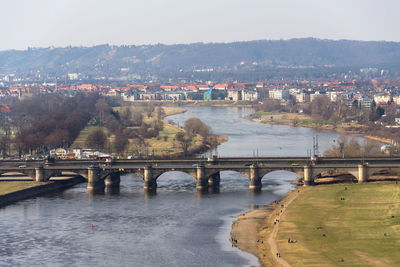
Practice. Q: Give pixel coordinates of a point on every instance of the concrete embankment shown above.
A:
(39, 190)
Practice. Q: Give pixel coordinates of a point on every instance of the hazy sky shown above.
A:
(43, 23)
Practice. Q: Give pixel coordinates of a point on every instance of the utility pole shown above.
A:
(313, 145)
(341, 146)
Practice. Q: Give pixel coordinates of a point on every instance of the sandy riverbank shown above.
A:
(255, 231)
(297, 120)
(379, 139)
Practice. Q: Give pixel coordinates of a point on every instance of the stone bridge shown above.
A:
(206, 172)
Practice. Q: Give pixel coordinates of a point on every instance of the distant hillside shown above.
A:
(253, 55)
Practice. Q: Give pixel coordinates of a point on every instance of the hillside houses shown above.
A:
(362, 93)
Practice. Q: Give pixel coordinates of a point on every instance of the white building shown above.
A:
(248, 95)
(396, 100)
(302, 97)
(73, 76)
(129, 97)
(234, 95)
(279, 93)
(382, 98)
(174, 96)
(334, 96)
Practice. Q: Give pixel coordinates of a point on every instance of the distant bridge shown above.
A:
(206, 172)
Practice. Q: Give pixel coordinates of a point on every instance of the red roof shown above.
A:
(222, 85)
(5, 109)
(191, 87)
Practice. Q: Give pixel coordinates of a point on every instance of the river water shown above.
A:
(175, 227)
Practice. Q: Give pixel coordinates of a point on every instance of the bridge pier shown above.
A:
(308, 177)
(40, 174)
(362, 173)
(255, 180)
(214, 180)
(94, 179)
(150, 184)
(214, 183)
(113, 180)
(201, 179)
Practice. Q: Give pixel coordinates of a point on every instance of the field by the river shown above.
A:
(163, 143)
(333, 226)
(303, 120)
(9, 187)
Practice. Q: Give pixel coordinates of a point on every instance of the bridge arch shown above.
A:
(81, 172)
(335, 176)
(278, 174)
(231, 178)
(176, 179)
(383, 173)
(21, 173)
(174, 173)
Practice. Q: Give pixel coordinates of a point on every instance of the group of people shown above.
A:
(234, 242)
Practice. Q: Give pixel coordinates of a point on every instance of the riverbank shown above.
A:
(200, 103)
(11, 192)
(379, 139)
(11, 187)
(303, 230)
(302, 120)
(255, 231)
(162, 146)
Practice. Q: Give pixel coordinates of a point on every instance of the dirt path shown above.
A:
(256, 231)
(271, 240)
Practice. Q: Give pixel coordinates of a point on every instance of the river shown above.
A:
(175, 227)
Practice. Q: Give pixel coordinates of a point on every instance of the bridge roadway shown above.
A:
(206, 172)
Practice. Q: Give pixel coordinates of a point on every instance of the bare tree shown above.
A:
(350, 147)
(195, 126)
(97, 139)
(5, 143)
(120, 143)
(184, 140)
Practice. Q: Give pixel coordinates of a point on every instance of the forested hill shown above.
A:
(252, 55)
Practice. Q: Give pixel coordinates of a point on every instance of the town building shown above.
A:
(279, 93)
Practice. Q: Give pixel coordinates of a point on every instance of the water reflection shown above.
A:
(149, 194)
(112, 190)
(214, 190)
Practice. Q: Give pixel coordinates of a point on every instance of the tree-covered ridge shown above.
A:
(50, 121)
(252, 55)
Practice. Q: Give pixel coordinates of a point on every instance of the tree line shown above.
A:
(195, 127)
(124, 127)
(47, 121)
(324, 111)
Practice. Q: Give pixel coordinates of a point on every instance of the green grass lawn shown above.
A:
(81, 139)
(9, 187)
(362, 230)
(165, 139)
(164, 144)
